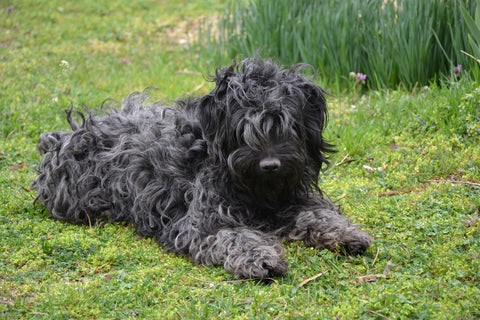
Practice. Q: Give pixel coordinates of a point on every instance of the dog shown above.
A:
(222, 178)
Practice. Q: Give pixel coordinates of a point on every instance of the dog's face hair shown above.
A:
(267, 124)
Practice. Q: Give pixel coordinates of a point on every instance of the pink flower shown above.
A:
(457, 69)
(361, 77)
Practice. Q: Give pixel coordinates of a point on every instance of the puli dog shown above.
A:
(222, 178)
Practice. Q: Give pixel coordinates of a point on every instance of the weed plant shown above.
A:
(394, 42)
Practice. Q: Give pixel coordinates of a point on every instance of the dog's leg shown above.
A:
(244, 252)
(323, 226)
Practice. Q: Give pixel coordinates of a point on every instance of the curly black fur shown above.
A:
(220, 178)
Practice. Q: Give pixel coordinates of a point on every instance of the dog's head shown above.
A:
(266, 125)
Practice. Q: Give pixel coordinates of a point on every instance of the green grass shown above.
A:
(420, 202)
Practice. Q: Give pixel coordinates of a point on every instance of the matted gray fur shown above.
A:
(223, 178)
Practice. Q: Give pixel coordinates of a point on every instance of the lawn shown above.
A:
(407, 169)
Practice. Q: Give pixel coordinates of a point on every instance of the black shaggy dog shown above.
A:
(222, 178)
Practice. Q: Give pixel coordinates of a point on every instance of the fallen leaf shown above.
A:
(387, 268)
(18, 166)
(395, 146)
(375, 277)
(124, 61)
(368, 278)
(388, 193)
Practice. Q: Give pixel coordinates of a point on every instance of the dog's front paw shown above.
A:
(258, 263)
(356, 241)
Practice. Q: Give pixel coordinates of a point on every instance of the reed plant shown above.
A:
(394, 42)
(473, 24)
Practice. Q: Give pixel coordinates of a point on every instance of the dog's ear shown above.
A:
(211, 116)
(213, 108)
(315, 120)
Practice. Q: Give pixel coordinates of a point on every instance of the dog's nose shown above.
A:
(270, 164)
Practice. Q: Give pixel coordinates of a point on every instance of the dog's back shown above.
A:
(108, 165)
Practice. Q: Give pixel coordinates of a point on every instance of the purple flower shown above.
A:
(457, 69)
(9, 8)
(361, 77)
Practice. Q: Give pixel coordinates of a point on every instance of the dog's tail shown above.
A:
(66, 181)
